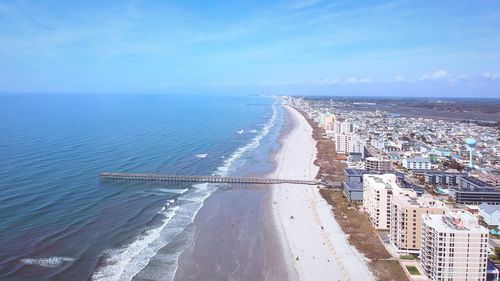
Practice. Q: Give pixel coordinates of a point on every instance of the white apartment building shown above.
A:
(357, 144)
(377, 195)
(344, 136)
(454, 247)
(328, 126)
(406, 223)
(418, 163)
(343, 127)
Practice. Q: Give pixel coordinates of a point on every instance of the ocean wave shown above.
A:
(119, 260)
(50, 262)
(125, 263)
(128, 262)
(170, 190)
(253, 144)
(201, 155)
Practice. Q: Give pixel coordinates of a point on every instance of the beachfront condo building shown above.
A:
(406, 224)
(343, 134)
(454, 247)
(377, 194)
(378, 164)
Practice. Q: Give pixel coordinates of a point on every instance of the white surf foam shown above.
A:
(201, 155)
(253, 144)
(120, 259)
(51, 262)
(124, 264)
(171, 190)
(241, 132)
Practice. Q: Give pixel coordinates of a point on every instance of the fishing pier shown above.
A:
(106, 176)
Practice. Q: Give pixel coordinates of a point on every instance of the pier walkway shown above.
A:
(209, 179)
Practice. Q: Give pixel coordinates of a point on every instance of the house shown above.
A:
(490, 214)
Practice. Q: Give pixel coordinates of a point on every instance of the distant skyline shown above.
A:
(310, 47)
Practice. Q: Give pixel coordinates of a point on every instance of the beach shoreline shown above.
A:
(313, 245)
(234, 234)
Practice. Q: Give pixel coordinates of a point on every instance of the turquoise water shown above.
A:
(58, 220)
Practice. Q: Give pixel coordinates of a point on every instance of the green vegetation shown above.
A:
(413, 270)
(407, 257)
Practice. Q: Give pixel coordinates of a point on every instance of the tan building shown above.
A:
(377, 164)
(377, 195)
(454, 247)
(406, 224)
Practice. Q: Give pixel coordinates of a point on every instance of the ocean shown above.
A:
(57, 220)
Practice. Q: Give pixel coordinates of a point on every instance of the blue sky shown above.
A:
(402, 48)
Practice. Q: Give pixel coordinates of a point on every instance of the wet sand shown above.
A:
(234, 239)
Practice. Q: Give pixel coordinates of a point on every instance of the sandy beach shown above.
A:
(314, 246)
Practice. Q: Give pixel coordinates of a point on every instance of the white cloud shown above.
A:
(328, 81)
(459, 78)
(437, 75)
(354, 80)
(399, 78)
(490, 76)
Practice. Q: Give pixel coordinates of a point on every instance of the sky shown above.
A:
(307, 47)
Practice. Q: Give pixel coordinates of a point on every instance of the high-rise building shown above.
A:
(454, 247)
(377, 195)
(328, 125)
(343, 133)
(406, 222)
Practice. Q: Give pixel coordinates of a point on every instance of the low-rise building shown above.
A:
(454, 247)
(475, 196)
(377, 164)
(417, 163)
(442, 178)
(472, 182)
(490, 214)
(353, 191)
(492, 179)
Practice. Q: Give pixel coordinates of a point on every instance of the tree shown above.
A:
(497, 251)
(454, 165)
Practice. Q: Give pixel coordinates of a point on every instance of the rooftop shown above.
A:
(418, 159)
(425, 201)
(444, 173)
(475, 181)
(476, 189)
(385, 181)
(456, 222)
(488, 208)
(360, 172)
